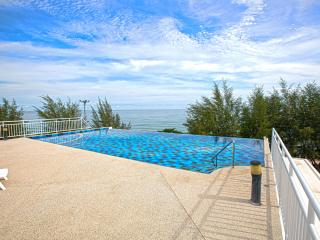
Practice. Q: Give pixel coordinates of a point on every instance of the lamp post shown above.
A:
(84, 101)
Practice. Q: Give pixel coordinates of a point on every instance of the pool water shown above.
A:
(182, 151)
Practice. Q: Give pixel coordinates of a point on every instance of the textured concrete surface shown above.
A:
(57, 192)
(311, 175)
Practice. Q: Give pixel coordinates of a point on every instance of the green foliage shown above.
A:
(10, 112)
(309, 121)
(293, 111)
(274, 109)
(57, 109)
(170, 130)
(217, 115)
(254, 118)
(288, 125)
(104, 117)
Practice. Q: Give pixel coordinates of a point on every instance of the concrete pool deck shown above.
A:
(57, 192)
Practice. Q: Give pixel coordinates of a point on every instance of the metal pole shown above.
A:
(256, 174)
(84, 101)
(233, 150)
(2, 130)
(24, 129)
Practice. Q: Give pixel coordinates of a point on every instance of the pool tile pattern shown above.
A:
(182, 151)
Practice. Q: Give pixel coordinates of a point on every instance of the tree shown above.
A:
(103, 116)
(309, 122)
(296, 112)
(57, 109)
(287, 123)
(218, 115)
(274, 109)
(246, 122)
(254, 120)
(10, 112)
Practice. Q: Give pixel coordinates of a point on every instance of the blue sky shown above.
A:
(154, 54)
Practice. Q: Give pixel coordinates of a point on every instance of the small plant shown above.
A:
(218, 114)
(57, 109)
(103, 116)
(10, 111)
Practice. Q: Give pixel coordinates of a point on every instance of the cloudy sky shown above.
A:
(154, 53)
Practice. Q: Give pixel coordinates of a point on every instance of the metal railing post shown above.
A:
(24, 130)
(311, 214)
(1, 130)
(233, 151)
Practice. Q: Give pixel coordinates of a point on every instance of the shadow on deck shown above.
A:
(228, 212)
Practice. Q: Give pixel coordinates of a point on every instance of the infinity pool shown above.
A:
(182, 151)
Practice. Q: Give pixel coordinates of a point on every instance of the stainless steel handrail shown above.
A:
(215, 157)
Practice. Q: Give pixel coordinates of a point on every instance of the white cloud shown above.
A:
(153, 60)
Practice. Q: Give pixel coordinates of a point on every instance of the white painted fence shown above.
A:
(300, 210)
(24, 128)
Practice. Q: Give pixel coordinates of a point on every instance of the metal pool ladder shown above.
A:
(215, 157)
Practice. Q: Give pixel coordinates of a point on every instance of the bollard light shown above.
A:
(256, 174)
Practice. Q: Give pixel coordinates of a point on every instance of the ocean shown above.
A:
(146, 120)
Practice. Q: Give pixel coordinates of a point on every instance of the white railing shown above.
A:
(299, 208)
(24, 128)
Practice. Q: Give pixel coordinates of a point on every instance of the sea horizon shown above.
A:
(141, 119)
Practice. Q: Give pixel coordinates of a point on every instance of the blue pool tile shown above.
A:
(184, 151)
